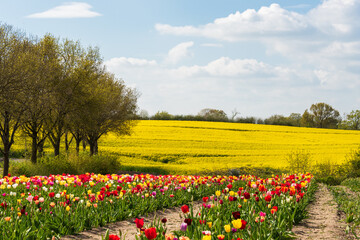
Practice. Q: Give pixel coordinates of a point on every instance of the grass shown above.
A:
(349, 203)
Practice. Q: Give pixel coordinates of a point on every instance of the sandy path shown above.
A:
(128, 227)
(324, 220)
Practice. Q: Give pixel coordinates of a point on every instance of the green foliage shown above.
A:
(263, 172)
(213, 115)
(352, 183)
(299, 160)
(71, 164)
(349, 203)
(352, 121)
(21, 153)
(354, 163)
(330, 174)
(321, 115)
(162, 116)
(277, 120)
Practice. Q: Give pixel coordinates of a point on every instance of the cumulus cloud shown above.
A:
(332, 17)
(68, 10)
(129, 62)
(316, 58)
(212, 45)
(226, 67)
(267, 21)
(222, 83)
(336, 17)
(179, 52)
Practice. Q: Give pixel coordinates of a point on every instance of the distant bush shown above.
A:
(71, 164)
(246, 120)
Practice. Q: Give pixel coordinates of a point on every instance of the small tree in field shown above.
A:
(299, 160)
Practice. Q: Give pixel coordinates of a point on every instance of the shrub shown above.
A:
(299, 160)
(71, 164)
(354, 163)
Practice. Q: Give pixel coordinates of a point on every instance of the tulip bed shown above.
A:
(261, 209)
(42, 207)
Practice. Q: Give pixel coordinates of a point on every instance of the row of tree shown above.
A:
(319, 115)
(50, 88)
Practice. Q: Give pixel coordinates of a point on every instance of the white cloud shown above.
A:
(212, 45)
(332, 17)
(68, 10)
(316, 59)
(268, 21)
(336, 17)
(129, 62)
(226, 67)
(179, 52)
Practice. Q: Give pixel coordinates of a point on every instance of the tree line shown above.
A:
(51, 88)
(319, 115)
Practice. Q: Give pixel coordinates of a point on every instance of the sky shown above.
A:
(257, 57)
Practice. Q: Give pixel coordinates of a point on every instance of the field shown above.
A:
(192, 147)
(47, 207)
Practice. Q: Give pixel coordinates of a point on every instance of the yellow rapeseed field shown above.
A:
(190, 147)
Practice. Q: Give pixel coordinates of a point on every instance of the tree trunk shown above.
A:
(66, 142)
(56, 146)
(41, 148)
(84, 144)
(92, 148)
(6, 161)
(55, 142)
(92, 140)
(77, 141)
(7, 137)
(96, 148)
(34, 148)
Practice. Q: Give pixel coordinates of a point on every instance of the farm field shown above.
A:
(192, 147)
(47, 207)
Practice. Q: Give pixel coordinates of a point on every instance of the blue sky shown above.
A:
(258, 57)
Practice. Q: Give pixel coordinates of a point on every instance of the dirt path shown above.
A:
(128, 227)
(324, 220)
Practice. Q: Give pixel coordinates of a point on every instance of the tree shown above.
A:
(45, 67)
(14, 71)
(352, 120)
(295, 119)
(144, 115)
(307, 119)
(321, 115)
(234, 113)
(112, 108)
(210, 114)
(65, 89)
(277, 120)
(87, 74)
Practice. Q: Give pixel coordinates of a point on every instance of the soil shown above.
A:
(325, 220)
(128, 227)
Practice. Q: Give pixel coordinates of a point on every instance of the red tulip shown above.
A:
(268, 198)
(114, 237)
(185, 209)
(150, 233)
(139, 222)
